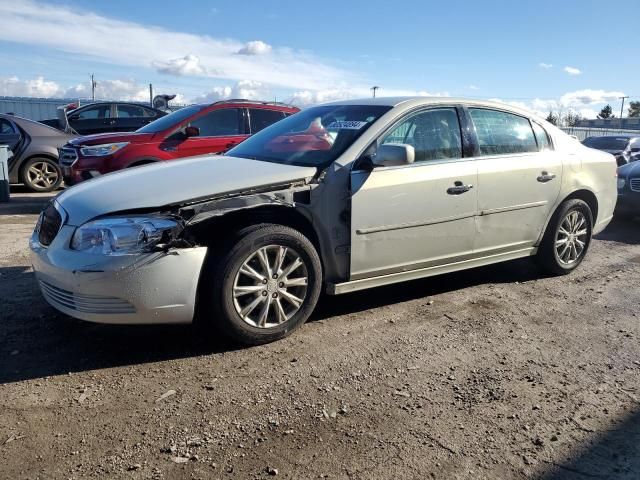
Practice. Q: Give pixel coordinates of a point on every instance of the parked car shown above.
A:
(104, 117)
(345, 196)
(629, 190)
(194, 130)
(626, 148)
(35, 152)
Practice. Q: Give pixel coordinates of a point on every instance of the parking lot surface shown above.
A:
(496, 372)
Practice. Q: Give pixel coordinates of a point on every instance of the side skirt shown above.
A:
(362, 284)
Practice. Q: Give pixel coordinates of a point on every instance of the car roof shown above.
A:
(244, 101)
(421, 100)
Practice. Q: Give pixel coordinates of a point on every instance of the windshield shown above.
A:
(170, 120)
(607, 143)
(311, 138)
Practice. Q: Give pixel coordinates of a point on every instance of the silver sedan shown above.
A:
(341, 197)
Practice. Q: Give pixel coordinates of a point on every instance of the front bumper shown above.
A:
(628, 203)
(134, 289)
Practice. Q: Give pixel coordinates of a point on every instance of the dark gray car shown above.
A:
(626, 148)
(35, 152)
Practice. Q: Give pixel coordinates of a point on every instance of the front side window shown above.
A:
(218, 123)
(314, 137)
(501, 133)
(5, 127)
(127, 111)
(434, 134)
(261, 118)
(542, 137)
(92, 113)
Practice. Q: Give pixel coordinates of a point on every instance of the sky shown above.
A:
(541, 55)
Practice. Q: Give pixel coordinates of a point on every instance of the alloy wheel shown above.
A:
(270, 286)
(571, 237)
(42, 174)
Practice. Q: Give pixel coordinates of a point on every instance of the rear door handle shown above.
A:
(545, 177)
(458, 188)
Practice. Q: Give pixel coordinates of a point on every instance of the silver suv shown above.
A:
(342, 197)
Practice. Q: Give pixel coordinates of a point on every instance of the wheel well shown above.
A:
(589, 198)
(208, 232)
(23, 162)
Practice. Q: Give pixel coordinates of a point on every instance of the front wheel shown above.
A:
(265, 285)
(567, 238)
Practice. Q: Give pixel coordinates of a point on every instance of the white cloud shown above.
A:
(257, 47)
(247, 89)
(589, 97)
(81, 33)
(473, 87)
(37, 87)
(312, 97)
(189, 65)
(546, 66)
(572, 70)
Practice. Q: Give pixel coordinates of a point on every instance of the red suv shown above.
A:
(193, 130)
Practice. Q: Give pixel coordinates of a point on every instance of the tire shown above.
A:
(41, 174)
(560, 258)
(241, 316)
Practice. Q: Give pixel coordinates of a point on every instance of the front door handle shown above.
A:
(546, 177)
(458, 188)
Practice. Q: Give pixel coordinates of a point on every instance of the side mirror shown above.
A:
(191, 132)
(394, 154)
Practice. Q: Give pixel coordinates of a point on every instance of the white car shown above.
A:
(343, 196)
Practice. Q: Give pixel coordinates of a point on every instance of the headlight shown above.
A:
(102, 150)
(621, 182)
(123, 235)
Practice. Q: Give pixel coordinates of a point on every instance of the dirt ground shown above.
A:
(494, 373)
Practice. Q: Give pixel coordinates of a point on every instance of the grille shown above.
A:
(85, 303)
(67, 156)
(634, 183)
(50, 224)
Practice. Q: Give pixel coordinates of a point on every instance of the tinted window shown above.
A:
(542, 137)
(502, 133)
(607, 143)
(262, 118)
(5, 127)
(218, 122)
(100, 111)
(171, 120)
(435, 134)
(313, 137)
(125, 111)
(149, 113)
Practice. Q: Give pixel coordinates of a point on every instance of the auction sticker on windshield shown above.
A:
(346, 125)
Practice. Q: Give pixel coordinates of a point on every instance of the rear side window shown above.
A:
(261, 118)
(127, 111)
(502, 133)
(434, 134)
(542, 137)
(218, 123)
(6, 128)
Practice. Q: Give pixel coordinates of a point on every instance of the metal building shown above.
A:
(35, 108)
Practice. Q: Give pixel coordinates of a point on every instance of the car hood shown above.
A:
(101, 138)
(175, 182)
(630, 169)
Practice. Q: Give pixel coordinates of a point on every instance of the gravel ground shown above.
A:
(494, 373)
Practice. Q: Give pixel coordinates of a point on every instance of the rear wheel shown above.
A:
(41, 175)
(567, 238)
(265, 285)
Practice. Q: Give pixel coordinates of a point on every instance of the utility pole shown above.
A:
(373, 89)
(151, 95)
(622, 107)
(93, 88)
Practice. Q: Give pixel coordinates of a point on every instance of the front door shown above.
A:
(92, 119)
(519, 178)
(417, 215)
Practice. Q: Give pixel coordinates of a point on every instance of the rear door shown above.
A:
(261, 118)
(220, 130)
(417, 215)
(130, 117)
(92, 119)
(519, 177)
(9, 134)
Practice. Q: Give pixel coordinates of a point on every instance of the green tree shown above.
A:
(552, 119)
(606, 112)
(634, 109)
(572, 119)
